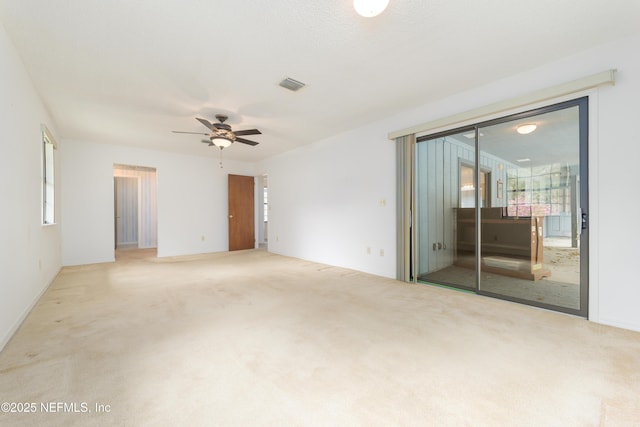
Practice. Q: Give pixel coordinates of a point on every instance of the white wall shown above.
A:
(191, 200)
(29, 252)
(325, 197)
(325, 201)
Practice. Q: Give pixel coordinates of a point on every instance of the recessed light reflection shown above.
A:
(526, 129)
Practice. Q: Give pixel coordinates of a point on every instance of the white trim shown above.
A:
(48, 136)
(594, 241)
(45, 198)
(605, 78)
(5, 340)
(619, 324)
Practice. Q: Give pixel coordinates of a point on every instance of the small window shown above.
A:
(48, 177)
(468, 190)
(266, 205)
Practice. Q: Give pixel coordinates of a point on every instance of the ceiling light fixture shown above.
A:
(526, 129)
(370, 8)
(472, 135)
(221, 142)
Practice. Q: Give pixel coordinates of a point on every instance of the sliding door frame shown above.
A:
(583, 123)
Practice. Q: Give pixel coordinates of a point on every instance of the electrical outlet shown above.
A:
(202, 237)
(381, 252)
(368, 250)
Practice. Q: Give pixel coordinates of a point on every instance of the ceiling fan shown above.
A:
(221, 134)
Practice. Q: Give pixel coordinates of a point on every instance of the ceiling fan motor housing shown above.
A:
(222, 130)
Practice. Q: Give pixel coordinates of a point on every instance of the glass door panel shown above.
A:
(529, 241)
(445, 212)
(530, 244)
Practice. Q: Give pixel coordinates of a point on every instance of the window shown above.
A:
(539, 191)
(48, 177)
(467, 189)
(266, 205)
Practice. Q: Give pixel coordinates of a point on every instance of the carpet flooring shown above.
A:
(545, 290)
(561, 288)
(251, 338)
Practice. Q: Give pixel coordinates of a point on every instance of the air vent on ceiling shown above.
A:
(291, 84)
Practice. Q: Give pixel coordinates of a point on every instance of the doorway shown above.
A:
(467, 186)
(241, 212)
(126, 212)
(528, 241)
(135, 207)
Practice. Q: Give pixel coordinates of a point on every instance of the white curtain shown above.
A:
(147, 203)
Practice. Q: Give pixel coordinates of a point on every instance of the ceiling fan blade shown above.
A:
(206, 123)
(193, 133)
(246, 141)
(206, 141)
(247, 132)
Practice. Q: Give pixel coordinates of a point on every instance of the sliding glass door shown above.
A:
(528, 240)
(445, 184)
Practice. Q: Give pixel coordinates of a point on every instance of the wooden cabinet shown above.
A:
(510, 246)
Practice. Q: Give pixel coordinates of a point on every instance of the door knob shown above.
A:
(230, 216)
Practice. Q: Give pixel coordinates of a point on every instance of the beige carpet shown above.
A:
(561, 288)
(255, 339)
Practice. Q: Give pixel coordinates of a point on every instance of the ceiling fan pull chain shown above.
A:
(221, 167)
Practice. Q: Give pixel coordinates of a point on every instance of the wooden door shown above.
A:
(241, 212)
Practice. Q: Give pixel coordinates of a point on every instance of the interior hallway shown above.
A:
(251, 338)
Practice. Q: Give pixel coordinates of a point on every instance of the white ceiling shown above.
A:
(556, 141)
(130, 72)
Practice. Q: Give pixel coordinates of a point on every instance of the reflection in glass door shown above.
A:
(529, 178)
(531, 238)
(445, 182)
(467, 187)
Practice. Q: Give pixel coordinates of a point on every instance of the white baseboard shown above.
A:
(5, 339)
(619, 324)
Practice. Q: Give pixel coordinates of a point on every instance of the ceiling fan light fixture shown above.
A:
(370, 8)
(221, 135)
(221, 142)
(526, 129)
